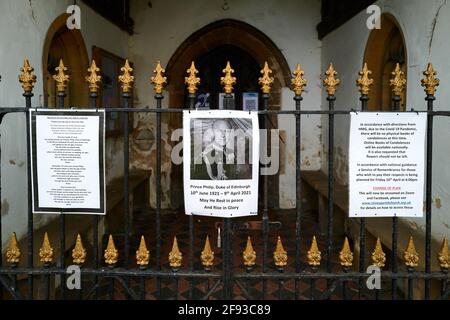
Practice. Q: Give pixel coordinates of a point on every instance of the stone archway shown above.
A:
(62, 43)
(384, 49)
(221, 33)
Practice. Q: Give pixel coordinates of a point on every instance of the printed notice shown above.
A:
(386, 164)
(221, 163)
(68, 161)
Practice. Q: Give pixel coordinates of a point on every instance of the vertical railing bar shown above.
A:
(396, 106)
(265, 226)
(444, 283)
(126, 174)
(191, 222)
(227, 240)
(344, 290)
(362, 231)
(28, 95)
(62, 227)
(247, 285)
(14, 282)
(228, 280)
(394, 256)
(331, 99)
(344, 284)
(95, 219)
(111, 289)
(410, 286)
(430, 99)
(80, 291)
(158, 98)
(298, 99)
(230, 257)
(176, 288)
(280, 287)
(229, 229)
(62, 219)
(46, 283)
(224, 257)
(191, 254)
(312, 287)
(142, 288)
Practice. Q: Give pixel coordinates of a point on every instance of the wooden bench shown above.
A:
(138, 196)
(317, 182)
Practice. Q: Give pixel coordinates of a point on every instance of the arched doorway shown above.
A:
(385, 48)
(210, 66)
(247, 48)
(62, 43)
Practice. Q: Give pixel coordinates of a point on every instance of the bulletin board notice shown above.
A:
(386, 164)
(221, 163)
(67, 161)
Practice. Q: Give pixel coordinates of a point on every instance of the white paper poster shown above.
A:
(222, 98)
(67, 150)
(250, 101)
(386, 164)
(221, 163)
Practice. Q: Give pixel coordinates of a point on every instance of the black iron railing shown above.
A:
(227, 279)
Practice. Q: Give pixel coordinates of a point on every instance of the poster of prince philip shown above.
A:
(221, 149)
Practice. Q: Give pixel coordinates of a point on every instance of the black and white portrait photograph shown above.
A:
(221, 149)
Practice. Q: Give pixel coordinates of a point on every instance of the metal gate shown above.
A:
(249, 268)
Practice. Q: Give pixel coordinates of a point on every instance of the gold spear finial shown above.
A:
(314, 255)
(411, 256)
(430, 82)
(364, 82)
(13, 251)
(61, 78)
(346, 255)
(175, 255)
(297, 81)
(79, 253)
(158, 80)
(378, 256)
(46, 251)
(249, 254)
(192, 81)
(444, 255)
(142, 254)
(126, 79)
(93, 79)
(207, 255)
(331, 82)
(27, 78)
(111, 253)
(228, 80)
(398, 82)
(266, 80)
(280, 255)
